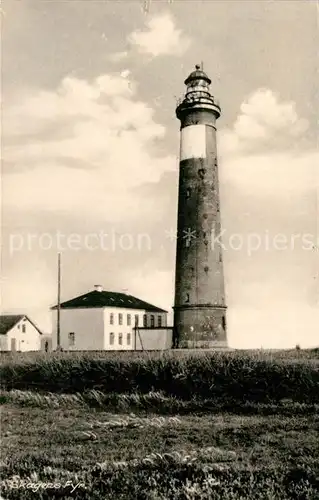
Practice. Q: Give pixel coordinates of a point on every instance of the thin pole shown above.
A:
(139, 335)
(59, 302)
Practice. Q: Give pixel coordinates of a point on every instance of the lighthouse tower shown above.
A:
(200, 308)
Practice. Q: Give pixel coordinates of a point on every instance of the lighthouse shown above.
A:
(200, 305)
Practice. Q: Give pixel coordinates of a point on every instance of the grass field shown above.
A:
(272, 354)
(146, 442)
(228, 377)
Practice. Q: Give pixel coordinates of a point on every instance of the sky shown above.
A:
(90, 154)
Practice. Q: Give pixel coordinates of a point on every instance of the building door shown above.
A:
(13, 345)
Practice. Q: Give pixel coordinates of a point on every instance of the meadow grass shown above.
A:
(220, 376)
(286, 355)
(154, 426)
(155, 402)
(146, 457)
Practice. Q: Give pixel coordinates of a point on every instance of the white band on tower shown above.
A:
(193, 142)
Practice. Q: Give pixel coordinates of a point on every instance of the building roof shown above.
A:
(197, 74)
(97, 299)
(8, 321)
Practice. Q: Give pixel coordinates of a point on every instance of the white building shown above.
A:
(111, 321)
(19, 333)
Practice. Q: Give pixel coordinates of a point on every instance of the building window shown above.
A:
(144, 320)
(120, 338)
(120, 319)
(128, 318)
(136, 319)
(111, 319)
(159, 320)
(152, 320)
(71, 339)
(128, 339)
(188, 192)
(111, 338)
(224, 323)
(23, 328)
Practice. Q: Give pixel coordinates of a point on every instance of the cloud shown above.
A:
(25, 291)
(82, 149)
(264, 122)
(125, 73)
(161, 37)
(119, 56)
(270, 187)
(265, 155)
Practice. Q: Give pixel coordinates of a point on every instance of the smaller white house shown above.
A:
(19, 333)
(111, 321)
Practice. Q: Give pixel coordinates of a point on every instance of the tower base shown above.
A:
(200, 327)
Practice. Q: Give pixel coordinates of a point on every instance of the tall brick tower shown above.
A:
(200, 308)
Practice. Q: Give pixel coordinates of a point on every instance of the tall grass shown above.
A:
(237, 377)
(153, 402)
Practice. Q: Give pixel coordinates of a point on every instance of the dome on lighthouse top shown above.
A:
(198, 95)
(198, 74)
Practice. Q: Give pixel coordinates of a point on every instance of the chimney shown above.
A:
(98, 288)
